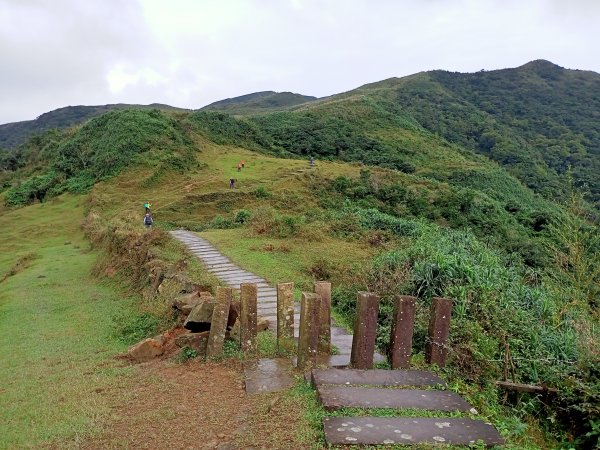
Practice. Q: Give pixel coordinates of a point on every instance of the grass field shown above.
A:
(57, 336)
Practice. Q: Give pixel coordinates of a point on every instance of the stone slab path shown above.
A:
(267, 375)
(337, 389)
(408, 431)
(232, 276)
(336, 397)
(376, 377)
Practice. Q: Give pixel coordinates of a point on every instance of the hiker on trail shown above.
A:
(239, 167)
(148, 220)
(312, 162)
(231, 183)
(147, 205)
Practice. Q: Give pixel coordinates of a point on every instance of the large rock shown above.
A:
(196, 341)
(185, 284)
(186, 302)
(262, 324)
(234, 313)
(200, 317)
(234, 333)
(146, 350)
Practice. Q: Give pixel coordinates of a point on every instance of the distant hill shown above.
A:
(13, 134)
(538, 120)
(259, 102)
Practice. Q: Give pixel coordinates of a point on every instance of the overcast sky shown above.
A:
(189, 53)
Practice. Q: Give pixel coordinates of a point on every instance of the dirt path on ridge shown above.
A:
(197, 405)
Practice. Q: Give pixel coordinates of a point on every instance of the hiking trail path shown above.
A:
(340, 387)
(232, 275)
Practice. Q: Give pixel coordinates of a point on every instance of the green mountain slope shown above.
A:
(259, 102)
(537, 120)
(15, 133)
(422, 216)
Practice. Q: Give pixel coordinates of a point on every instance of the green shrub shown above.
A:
(261, 192)
(133, 328)
(242, 216)
(186, 354)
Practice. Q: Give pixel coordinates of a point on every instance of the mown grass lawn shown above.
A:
(57, 337)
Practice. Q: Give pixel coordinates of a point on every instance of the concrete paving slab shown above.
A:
(408, 431)
(336, 397)
(376, 377)
(267, 375)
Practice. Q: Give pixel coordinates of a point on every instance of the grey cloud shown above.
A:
(202, 51)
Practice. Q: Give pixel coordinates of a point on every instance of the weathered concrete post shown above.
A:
(365, 330)
(248, 301)
(403, 323)
(285, 316)
(323, 288)
(436, 348)
(218, 324)
(308, 341)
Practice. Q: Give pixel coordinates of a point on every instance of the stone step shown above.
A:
(376, 377)
(221, 271)
(267, 375)
(340, 361)
(213, 261)
(408, 431)
(205, 257)
(221, 267)
(240, 274)
(336, 397)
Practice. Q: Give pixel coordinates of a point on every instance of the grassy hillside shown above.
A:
(259, 102)
(56, 327)
(392, 205)
(538, 120)
(287, 221)
(15, 133)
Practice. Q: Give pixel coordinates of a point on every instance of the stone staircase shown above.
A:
(396, 389)
(233, 276)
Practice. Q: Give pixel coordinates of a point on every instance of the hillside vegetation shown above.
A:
(259, 102)
(16, 133)
(393, 206)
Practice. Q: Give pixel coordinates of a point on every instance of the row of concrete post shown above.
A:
(315, 325)
(403, 320)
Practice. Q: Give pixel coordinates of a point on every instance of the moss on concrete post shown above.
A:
(218, 324)
(436, 348)
(365, 330)
(323, 289)
(285, 316)
(403, 322)
(248, 302)
(308, 341)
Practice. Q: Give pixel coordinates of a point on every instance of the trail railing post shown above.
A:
(403, 323)
(323, 289)
(436, 348)
(285, 316)
(218, 324)
(308, 340)
(365, 331)
(248, 302)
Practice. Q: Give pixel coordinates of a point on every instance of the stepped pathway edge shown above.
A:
(267, 295)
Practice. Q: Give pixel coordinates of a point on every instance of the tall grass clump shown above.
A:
(501, 316)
